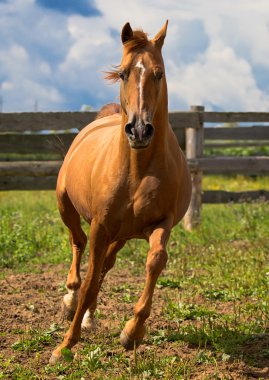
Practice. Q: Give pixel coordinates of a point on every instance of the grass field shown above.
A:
(210, 319)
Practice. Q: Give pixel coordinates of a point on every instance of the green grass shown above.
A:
(30, 230)
(30, 157)
(215, 289)
(235, 183)
(238, 151)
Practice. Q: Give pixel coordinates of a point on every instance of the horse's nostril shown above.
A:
(149, 130)
(129, 129)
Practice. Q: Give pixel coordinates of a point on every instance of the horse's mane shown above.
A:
(136, 43)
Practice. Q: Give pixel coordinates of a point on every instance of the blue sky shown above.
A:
(53, 52)
(83, 7)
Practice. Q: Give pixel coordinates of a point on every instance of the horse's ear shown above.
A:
(126, 33)
(159, 38)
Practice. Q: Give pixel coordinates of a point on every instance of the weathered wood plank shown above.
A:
(237, 133)
(181, 137)
(210, 165)
(36, 121)
(194, 150)
(30, 169)
(231, 165)
(49, 183)
(220, 196)
(184, 119)
(50, 143)
(27, 183)
(239, 144)
(36, 143)
(235, 117)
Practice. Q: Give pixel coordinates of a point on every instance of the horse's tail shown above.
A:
(57, 146)
(108, 109)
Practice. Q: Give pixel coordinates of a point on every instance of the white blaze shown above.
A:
(142, 71)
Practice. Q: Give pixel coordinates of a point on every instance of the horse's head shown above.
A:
(143, 84)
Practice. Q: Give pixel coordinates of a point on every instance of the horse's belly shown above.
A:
(129, 226)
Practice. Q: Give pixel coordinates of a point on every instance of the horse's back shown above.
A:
(109, 109)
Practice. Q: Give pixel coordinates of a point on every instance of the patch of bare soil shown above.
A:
(33, 302)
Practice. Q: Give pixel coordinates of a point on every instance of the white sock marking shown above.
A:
(142, 71)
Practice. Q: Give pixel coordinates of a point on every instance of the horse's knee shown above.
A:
(83, 240)
(156, 261)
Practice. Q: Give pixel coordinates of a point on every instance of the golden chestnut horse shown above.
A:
(127, 177)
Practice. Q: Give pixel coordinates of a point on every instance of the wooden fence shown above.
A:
(48, 136)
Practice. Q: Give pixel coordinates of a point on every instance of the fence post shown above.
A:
(194, 149)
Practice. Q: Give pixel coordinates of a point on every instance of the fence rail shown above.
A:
(50, 134)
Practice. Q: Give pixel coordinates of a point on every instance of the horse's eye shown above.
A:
(158, 75)
(122, 75)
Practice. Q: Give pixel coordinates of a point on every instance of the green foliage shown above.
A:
(238, 151)
(67, 354)
(180, 312)
(35, 340)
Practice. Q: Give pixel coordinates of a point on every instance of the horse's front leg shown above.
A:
(88, 292)
(135, 329)
(89, 322)
(78, 241)
(70, 300)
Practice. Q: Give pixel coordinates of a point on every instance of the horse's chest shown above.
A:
(129, 211)
(148, 203)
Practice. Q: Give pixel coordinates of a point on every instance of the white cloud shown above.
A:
(90, 39)
(23, 86)
(7, 86)
(217, 78)
(213, 52)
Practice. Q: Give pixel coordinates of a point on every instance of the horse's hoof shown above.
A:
(67, 313)
(129, 343)
(69, 304)
(89, 323)
(55, 358)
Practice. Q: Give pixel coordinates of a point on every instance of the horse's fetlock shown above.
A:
(73, 285)
(71, 341)
(141, 313)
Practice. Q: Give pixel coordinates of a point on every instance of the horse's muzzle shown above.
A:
(139, 134)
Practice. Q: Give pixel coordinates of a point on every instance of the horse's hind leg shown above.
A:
(89, 321)
(78, 241)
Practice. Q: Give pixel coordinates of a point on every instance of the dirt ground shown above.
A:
(32, 301)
